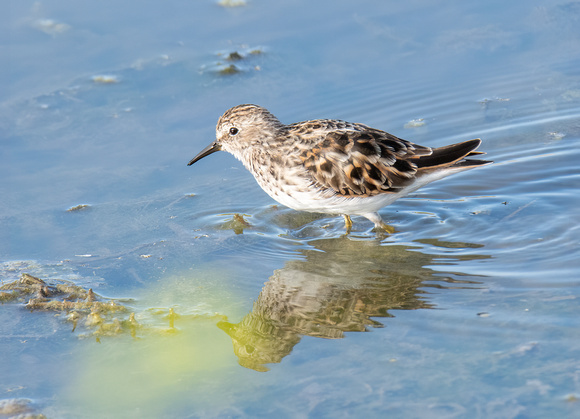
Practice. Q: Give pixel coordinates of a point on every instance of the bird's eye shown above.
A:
(234, 131)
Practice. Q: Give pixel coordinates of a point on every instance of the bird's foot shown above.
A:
(384, 228)
(380, 225)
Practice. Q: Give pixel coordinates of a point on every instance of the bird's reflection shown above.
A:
(339, 286)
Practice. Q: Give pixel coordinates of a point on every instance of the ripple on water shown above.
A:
(478, 285)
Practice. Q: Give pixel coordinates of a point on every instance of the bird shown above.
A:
(332, 166)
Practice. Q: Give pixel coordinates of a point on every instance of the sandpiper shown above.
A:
(333, 166)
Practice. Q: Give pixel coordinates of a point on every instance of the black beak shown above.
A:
(212, 148)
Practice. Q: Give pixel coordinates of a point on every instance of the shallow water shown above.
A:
(469, 310)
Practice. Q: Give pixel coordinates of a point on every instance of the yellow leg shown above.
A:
(379, 223)
(347, 222)
(385, 227)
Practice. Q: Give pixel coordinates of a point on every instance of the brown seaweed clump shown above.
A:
(79, 305)
(241, 60)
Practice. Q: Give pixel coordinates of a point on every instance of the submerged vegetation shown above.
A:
(79, 306)
(88, 312)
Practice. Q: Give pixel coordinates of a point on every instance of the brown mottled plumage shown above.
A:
(333, 166)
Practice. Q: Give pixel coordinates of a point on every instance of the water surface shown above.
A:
(469, 310)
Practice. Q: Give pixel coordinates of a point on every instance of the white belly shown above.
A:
(312, 200)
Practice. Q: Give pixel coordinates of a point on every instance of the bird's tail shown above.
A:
(453, 156)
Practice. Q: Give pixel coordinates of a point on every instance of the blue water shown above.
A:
(469, 310)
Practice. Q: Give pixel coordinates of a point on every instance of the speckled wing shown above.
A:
(363, 163)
